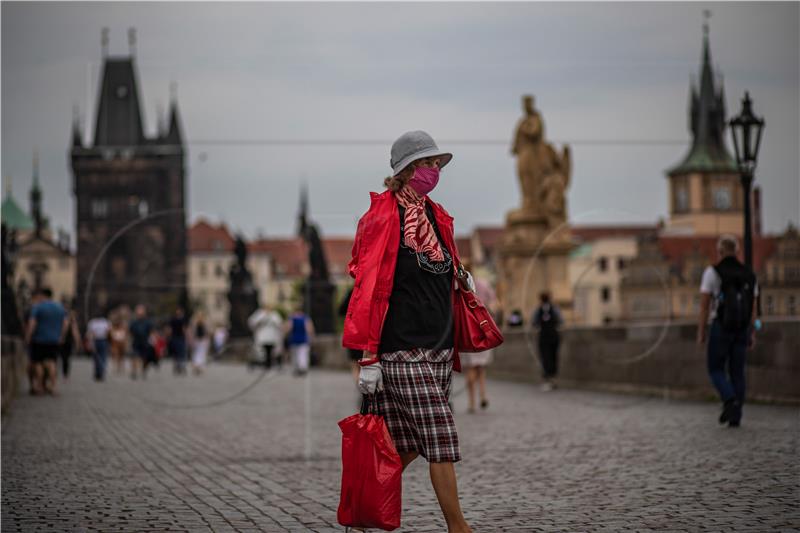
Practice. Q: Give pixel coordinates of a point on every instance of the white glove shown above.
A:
(370, 378)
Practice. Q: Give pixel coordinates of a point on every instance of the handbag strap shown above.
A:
(369, 404)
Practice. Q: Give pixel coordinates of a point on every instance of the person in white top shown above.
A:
(97, 333)
(266, 325)
(475, 364)
(728, 293)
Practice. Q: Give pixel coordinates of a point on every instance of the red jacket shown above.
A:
(374, 259)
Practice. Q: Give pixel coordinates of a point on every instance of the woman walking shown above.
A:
(401, 314)
(475, 363)
(72, 339)
(119, 342)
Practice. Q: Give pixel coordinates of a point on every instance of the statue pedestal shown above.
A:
(534, 258)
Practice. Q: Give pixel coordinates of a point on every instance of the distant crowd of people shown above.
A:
(52, 332)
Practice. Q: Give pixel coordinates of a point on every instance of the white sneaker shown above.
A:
(547, 386)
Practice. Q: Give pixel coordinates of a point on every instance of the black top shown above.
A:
(420, 311)
(178, 326)
(140, 331)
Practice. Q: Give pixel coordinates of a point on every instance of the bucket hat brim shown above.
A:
(433, 152)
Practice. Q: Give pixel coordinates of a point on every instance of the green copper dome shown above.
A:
(13, 215)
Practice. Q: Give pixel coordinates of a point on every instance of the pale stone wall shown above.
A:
(633, 359)
(596, 290)
(58, 269)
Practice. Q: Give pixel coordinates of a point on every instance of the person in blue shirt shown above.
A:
(300, 333)
(47, 326)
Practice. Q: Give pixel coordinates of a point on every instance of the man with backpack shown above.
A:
(547, 319)
(728, 293)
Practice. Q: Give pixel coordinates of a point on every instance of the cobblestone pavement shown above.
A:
(116, 456)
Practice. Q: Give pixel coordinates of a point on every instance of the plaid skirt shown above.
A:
(414, 403)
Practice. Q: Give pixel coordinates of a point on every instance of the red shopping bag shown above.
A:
(371, 473)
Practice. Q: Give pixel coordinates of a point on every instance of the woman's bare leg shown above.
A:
(443, 478)
(482, 382)
(471, 389)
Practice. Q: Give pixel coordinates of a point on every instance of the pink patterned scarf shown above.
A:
(418, 232)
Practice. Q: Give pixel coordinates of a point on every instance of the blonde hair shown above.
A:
(395, 183)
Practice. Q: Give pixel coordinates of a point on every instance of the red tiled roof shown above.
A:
(464, 248)
(489, 236)
(589, 233)
(675, 249)
(288, 255)
(205, 237)
(338, 252)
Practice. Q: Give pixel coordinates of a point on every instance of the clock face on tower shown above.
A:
(722, 198)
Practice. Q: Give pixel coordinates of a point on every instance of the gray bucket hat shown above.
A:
(415, 145)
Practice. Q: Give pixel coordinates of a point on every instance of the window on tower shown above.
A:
(99, 208)
(722, 198)
(681, 199)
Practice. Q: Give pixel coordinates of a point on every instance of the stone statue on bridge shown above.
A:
(543, 173)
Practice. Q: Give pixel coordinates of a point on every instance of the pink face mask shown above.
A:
(425, 179)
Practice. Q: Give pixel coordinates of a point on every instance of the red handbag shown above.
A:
(475, 329)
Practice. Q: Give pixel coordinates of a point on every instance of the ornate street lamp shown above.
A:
(746, 131)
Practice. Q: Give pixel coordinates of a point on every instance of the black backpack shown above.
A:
(735, 299)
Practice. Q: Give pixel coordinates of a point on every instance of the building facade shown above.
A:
(130, 201)
(706, 200)
(43, 259)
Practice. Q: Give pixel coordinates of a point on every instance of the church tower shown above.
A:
(130, 199)
(705, 193)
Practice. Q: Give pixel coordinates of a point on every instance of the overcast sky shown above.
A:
(341, 71)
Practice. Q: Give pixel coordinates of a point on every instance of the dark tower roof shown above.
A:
(174, 135)
(39, 220)
(119, 118)
(707, 123)
(77, 140)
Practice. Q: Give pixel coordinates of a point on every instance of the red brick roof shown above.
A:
(288, 255)
(489, 236)
(338, 252)
(590, 233)
(464, 248)
(206, 237)
(675, 249)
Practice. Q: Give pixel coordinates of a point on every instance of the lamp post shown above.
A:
(746, 131)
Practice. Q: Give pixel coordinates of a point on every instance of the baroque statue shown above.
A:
(544, 174)
(243, 294)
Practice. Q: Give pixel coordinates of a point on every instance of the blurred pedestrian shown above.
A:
(401, 314)
(220, 337)
(728, 293)
(354, 355)
(46, 329)
(475, 363)
(177, 341)
(119, 342)
(547, 319)
(141, 327)
(200, 343)
(72, 340)
(515, 318)
(301, 333)
(97, 331)
(267, 327)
